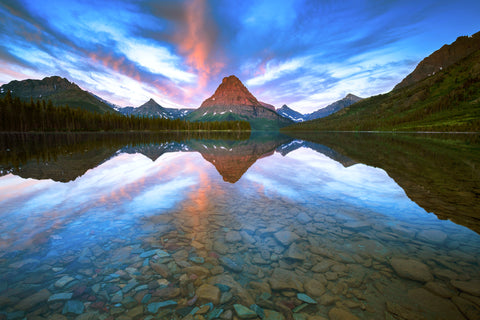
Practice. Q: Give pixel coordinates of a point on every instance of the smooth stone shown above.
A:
(135, 312)
(283, 279)
(467, 308)
(259, 311)
(214, 314)
(231, 264)
(236, 288)
(222, 287)
(439, 289)
(73, 306)
(303, 217)
(88, 316)
(244, 312)
(208, 293)
(294, 252)
(340, 314)
(130, 285)
(233, 236)
(437, 307)
(472, 287)
(433, 236)
(300, 307)
(146, 298)
(155, 306)
(314, 288)
(117, 297)
(129, 302)
(285, 237)
(411, 269)
(198, 260)
(60, 296)
(303, 297)
(60, 283)
(323, 266)
(31, 301)
(273, 315)
(402, 312)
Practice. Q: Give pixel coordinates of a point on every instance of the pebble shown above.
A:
(155, 306)
(60, 296)
(303, 297)
(244, 312)
(60, 283)
(73, 307)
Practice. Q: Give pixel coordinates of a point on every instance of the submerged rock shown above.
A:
(411, 269)
(472, 287)
(208, 293)
(73, 307)
(283, 279)
(244, 312)
(33, 300)
(285, 237)
(340, 314)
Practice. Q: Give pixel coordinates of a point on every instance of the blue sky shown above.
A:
(305, 54)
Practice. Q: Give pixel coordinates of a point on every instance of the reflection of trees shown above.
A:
(439, 172)
(64, 157)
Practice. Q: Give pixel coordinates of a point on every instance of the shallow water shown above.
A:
(191, 229)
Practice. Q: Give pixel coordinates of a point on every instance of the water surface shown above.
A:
(372, 226)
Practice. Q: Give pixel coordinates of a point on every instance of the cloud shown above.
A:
(196, 40)
(304, 53)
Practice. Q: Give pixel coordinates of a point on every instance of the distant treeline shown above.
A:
(21, 116)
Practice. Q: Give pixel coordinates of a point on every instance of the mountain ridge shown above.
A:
(448, 100)
(57, 89)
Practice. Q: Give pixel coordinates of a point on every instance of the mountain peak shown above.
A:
(231, 92)
(352, 97)
(444, 57)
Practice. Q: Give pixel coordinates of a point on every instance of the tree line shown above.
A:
(41, 115)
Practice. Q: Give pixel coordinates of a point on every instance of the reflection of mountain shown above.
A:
(332, 154)
(64, 157)
(233, 158)
(439, 173)
(155, 150)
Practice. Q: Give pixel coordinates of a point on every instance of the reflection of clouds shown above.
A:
(120, 189)
(306, 174)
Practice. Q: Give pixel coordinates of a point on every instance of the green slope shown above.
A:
(257, 124)
(59, 90)
(446, 101)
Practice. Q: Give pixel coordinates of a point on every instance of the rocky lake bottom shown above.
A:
(298, 236)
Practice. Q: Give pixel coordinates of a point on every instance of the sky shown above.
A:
(306, 54)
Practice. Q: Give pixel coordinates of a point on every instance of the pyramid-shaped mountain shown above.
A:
(233, 101)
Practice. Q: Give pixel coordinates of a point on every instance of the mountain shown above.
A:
(267, 105)
(296, 116)
(442, 58)
(233, 101)
(448, 100)
(152, 109)
(334, 107)
(59, 90)
(286, 112)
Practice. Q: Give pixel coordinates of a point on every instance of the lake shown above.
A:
(267, 226)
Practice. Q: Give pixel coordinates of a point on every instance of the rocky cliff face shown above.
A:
(233, 101)
(442, 58)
